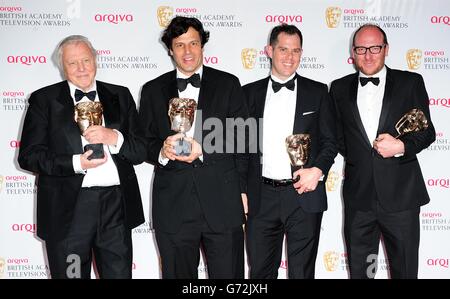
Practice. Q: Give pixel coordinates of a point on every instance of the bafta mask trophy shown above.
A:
(181, 113)
(413, 121)
(297, 147)
(89, 114)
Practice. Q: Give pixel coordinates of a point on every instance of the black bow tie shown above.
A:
(79, 95)
(365, 80)
(194, 80)
(277, 86)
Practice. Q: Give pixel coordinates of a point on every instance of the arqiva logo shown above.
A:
(27, 227)
(442, 262)
(284, 19)
(26, 59)
(440, 19)
(114, 18)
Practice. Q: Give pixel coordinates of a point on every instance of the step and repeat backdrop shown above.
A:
(127, 39)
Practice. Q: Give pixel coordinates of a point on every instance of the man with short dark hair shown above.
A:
(279, 203)
(196, 198)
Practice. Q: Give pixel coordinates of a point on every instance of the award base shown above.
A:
(183, 148)
(97, 150)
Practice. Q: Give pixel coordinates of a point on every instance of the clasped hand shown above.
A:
(168, 149)
(309, 178)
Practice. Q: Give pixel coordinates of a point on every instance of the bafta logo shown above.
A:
(1, 183)
(2, 266)
(330, 260)
(164, 15)
(248, 57)
(333, 16)
(412, 121)
(332, 181)
(414, 58)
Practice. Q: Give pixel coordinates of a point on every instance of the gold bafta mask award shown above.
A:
(412, 121)
(181, 113)
(90, 114)
(297, 147)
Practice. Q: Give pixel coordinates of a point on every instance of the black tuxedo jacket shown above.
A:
(217, 179)
(318, 121)
(50, 138)
(396, 182)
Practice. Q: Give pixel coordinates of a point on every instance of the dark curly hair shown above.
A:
(180, 25)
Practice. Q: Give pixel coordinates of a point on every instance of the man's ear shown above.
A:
(269, 50)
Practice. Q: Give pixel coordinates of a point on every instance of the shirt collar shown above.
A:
(381, 74)
(183, 76)
(274, 78)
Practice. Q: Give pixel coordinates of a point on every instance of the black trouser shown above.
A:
(180, 252)
(278, 215)
(400, 232)
(97, 226)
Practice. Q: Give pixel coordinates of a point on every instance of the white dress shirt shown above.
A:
(370, 102)
(105, 174)
(190, 92)
(278, 123)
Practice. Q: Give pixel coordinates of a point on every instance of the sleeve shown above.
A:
(35, 154)
(133, 148)
(327, 131)
(415, 142)
(150, 130)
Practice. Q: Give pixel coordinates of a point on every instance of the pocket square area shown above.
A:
(309, 112)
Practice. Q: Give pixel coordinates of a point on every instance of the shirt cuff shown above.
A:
(162, 161)
(76, 162)
(115, 149)
(399, 155)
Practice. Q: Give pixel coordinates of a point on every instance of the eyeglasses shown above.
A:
(372, 50)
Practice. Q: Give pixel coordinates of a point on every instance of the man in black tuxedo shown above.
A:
(278, 205)
(383, 187)
(196, 198)
(83, 204)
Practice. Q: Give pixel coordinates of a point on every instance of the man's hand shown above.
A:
(100, 134)
(245, 203)
(167, 150)
(388, 146)
(196, 151)
(86, 164)
(309, 178)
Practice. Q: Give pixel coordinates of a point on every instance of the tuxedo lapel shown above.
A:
(260, 103)
(65, 111)
(170, 91)
(111, 106)
(299, 106)
(207, 87)
(260, 97)
(353, 96)
(387, 100)
(204, 102)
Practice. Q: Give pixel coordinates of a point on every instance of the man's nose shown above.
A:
(80, 66)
